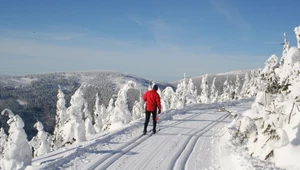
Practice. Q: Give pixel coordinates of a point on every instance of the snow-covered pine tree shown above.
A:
(17, 152)
(97, 115)
(41, 142)
(204, 90)
(60, 118)
(181, 90)
(226, 91)
(237, 87)
(109, 110)
(268, 75)
(88, 120)
(138, 109)
(121, 114)
(286, 47)
(191, 94)
(246, 86)
(213, 92)
(3, 138)
(74, 128)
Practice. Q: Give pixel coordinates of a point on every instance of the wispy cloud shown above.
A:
(135, 20)
(231, 13)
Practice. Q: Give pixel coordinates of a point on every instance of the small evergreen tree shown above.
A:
(41, 142)
(3, 138)
(61, 117)
(17, 152)
(74, 129)
(88, 120)
(204, 97)
(121, 114)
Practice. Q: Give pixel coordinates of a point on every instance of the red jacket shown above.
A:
(153, 100)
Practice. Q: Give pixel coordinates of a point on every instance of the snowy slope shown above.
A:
(190, 138)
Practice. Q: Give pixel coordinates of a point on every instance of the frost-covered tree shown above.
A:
(121, 114)
(226, 91)
(74, 129)
(181, 90)
(237, 87)
(3, 138)
(170, 99)
(41, 142)
(213, 92)
(109, 110)
(61, 117)
(191, 93)
(204, 97)
(17, 152)
(138, 108)
(97, 115)
(286, 47)
(246, 86)
(88, 120)
(268, 76)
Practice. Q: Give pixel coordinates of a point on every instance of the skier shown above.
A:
(152, 99)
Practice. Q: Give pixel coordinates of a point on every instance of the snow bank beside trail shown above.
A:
(236, 157)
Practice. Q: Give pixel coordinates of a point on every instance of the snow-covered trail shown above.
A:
(188, 139)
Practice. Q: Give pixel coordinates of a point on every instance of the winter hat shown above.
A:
(155, 87)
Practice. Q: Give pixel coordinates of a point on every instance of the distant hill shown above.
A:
(34, 97)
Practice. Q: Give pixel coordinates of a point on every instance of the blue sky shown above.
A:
(157, 39)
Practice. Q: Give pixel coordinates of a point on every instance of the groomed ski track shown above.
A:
(189, 140)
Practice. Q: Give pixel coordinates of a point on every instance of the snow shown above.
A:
(194, 137)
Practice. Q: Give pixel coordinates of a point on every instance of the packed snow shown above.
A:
(194, 137)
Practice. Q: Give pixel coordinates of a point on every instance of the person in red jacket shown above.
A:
(152, 100)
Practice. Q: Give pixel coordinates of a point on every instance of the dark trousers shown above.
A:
(148, 118)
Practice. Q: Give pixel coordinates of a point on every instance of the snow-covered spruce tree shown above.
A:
(286, 47)
(88, 121)
(237, 87)
(109, 110)
(181, 90)
(191, 94)
(213, 92)
(138, 108)
(204, 97)
(3, 138)
(104, 116)
(41, 142)
(17, 152)
(162, 102)
(74, 128)
(226, 91)
(170, 99)
(254, 77)
(245, 88)
(268, 75)
(121, 114)
(97, 115)
(61, 117)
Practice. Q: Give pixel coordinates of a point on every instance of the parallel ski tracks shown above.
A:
(183, 154)
(110, 158)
